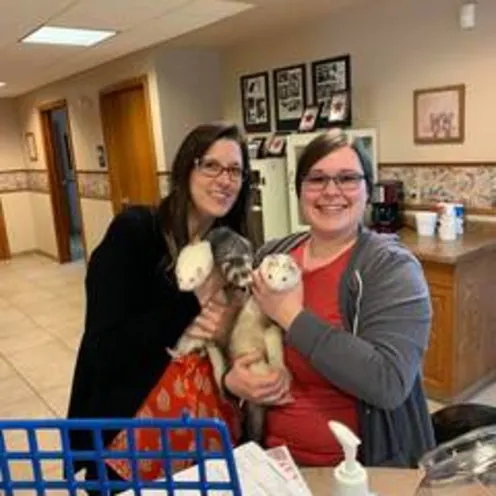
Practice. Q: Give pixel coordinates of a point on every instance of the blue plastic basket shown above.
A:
(36, 457)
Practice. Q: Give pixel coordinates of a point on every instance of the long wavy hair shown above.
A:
(174, 209)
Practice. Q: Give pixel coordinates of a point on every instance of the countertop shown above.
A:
(472, 243)
(383, 482)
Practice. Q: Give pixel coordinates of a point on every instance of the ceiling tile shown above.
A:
(25, 16)
(116, 14)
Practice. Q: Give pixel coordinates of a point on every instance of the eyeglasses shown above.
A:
(212, 168)
(346, 182)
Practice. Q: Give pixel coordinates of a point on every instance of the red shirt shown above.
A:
(303, 425)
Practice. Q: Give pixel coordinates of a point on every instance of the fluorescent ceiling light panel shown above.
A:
(53, 35)
(2, 84)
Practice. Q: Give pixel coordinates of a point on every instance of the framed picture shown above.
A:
(328, 77)
(256, 147)
(290, 91)
(339, 111)
(439, 115)
(275, 146)
(255, 102)
(31, 147)
(309, 119)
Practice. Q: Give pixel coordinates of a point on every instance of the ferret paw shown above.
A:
(175, 354)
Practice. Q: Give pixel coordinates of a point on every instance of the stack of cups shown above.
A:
(448, 224)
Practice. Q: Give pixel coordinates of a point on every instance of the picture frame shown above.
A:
(31, 148)
(339, 111)
(290, 96)
(255, 102)
(275, 145)
(256, 147)
(310, 118)
(329, 76)
(439, 115)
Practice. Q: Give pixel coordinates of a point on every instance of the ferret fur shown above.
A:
(254, 331)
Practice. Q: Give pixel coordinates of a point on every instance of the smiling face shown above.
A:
(332, 210)
(216, 180)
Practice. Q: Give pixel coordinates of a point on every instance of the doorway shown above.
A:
(130, 150)
(63, 182)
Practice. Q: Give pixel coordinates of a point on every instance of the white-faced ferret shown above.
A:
(254, 331)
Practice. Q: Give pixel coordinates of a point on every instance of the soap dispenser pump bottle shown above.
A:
(349, 477)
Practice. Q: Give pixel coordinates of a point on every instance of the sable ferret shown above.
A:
(233, 255)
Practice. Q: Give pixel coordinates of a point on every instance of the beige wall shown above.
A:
(396, 47)
(10, 136)
(190, 88)
(16, 205)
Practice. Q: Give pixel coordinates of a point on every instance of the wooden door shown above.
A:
(129, 144)
(4, 240)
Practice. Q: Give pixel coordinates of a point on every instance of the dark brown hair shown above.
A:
(323, 145)
(173, 209)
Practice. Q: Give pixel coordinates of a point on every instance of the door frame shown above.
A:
(5, 252)
(143, 83)
(60, 220)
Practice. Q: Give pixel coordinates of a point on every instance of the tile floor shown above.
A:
(41, 316)
(41, 320)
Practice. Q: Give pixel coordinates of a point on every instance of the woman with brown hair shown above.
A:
(357, 327)
(135, 310)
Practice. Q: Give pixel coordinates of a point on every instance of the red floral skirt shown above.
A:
(187, 383)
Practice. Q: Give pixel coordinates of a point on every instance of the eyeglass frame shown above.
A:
(336, 180)
(241, 178)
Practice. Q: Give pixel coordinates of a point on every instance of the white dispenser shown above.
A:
(349, 477)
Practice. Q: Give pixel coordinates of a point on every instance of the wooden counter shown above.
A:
(462, 279)
(472, 244)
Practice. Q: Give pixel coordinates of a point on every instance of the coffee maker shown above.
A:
(388, 201)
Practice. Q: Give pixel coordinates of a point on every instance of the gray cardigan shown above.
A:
(385, 302)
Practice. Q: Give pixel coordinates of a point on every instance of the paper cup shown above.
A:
(426, 223)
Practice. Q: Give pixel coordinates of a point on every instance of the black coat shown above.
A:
(134, 312)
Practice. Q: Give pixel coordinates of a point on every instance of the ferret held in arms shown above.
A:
(232, 254)
(254, 331)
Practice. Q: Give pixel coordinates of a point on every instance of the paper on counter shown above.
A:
(260, 474)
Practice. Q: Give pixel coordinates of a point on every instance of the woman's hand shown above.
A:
(215, 318)
(281, 307)
(270, 389)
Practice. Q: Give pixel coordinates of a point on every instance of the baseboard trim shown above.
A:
(35, 251)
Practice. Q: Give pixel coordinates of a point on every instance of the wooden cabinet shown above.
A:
(461, 356)
(437, 370)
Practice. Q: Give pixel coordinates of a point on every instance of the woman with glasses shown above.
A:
(356, 328)
(134, 308)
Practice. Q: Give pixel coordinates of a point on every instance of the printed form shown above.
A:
(261, 473)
